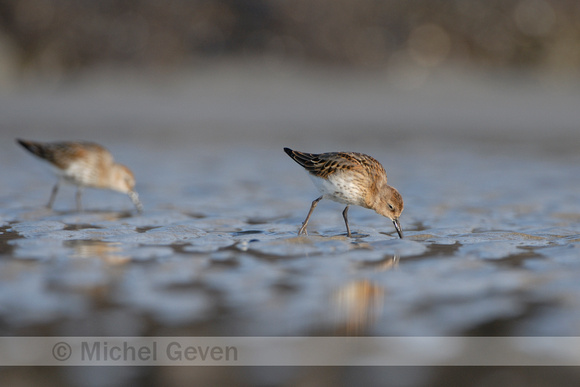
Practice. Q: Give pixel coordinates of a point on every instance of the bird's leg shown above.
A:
(53, 195)
(79, 196)
(305, 223)
(345, 216)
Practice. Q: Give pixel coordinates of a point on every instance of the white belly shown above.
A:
(79, 173)
(339, 188)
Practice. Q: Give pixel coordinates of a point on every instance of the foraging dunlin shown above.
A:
(350, 178)
(84, 164)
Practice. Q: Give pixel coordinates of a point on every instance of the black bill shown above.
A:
(398, 228)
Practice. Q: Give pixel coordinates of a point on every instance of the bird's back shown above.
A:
(325, 164)
(82, 163)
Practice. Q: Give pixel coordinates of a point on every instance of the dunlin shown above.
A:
(84, 164)
(350, 178)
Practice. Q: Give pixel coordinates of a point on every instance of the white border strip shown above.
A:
(289, 351)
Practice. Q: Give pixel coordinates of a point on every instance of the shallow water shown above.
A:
(492, 238)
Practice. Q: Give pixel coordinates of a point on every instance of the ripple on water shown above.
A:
(25, 298)
(300, 246)
(39, 249)
(568, 255)
(157, 219)
(400, 247)
(491, 249)
(209, 243)
(32, 229)
(149, 293)
(450, 295)
(166, 235)
(105, 234)
(144, 253)
(79, 275)
(498, 245)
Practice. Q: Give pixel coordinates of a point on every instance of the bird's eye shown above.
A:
(391, 207)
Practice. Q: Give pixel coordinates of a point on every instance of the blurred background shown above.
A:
(64, 37)
(247, 69)
(418, 84)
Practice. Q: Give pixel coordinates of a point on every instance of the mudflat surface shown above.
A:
(488, 168)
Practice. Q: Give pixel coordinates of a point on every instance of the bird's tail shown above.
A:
(304, 159)
(34, 147)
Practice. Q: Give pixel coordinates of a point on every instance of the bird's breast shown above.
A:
(82, 173)
(343, 188)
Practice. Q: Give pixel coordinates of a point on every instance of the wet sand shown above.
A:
(489, 174)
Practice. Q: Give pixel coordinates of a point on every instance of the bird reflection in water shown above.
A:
(107, 251)
(359, 303)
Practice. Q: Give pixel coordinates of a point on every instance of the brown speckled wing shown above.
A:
(372, 167)
(325, 164)
(62, 154)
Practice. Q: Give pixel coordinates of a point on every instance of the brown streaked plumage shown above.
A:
(350, 178)
(84, 164)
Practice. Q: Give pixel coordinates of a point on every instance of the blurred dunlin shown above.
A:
(84, 164)
(350, 178)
